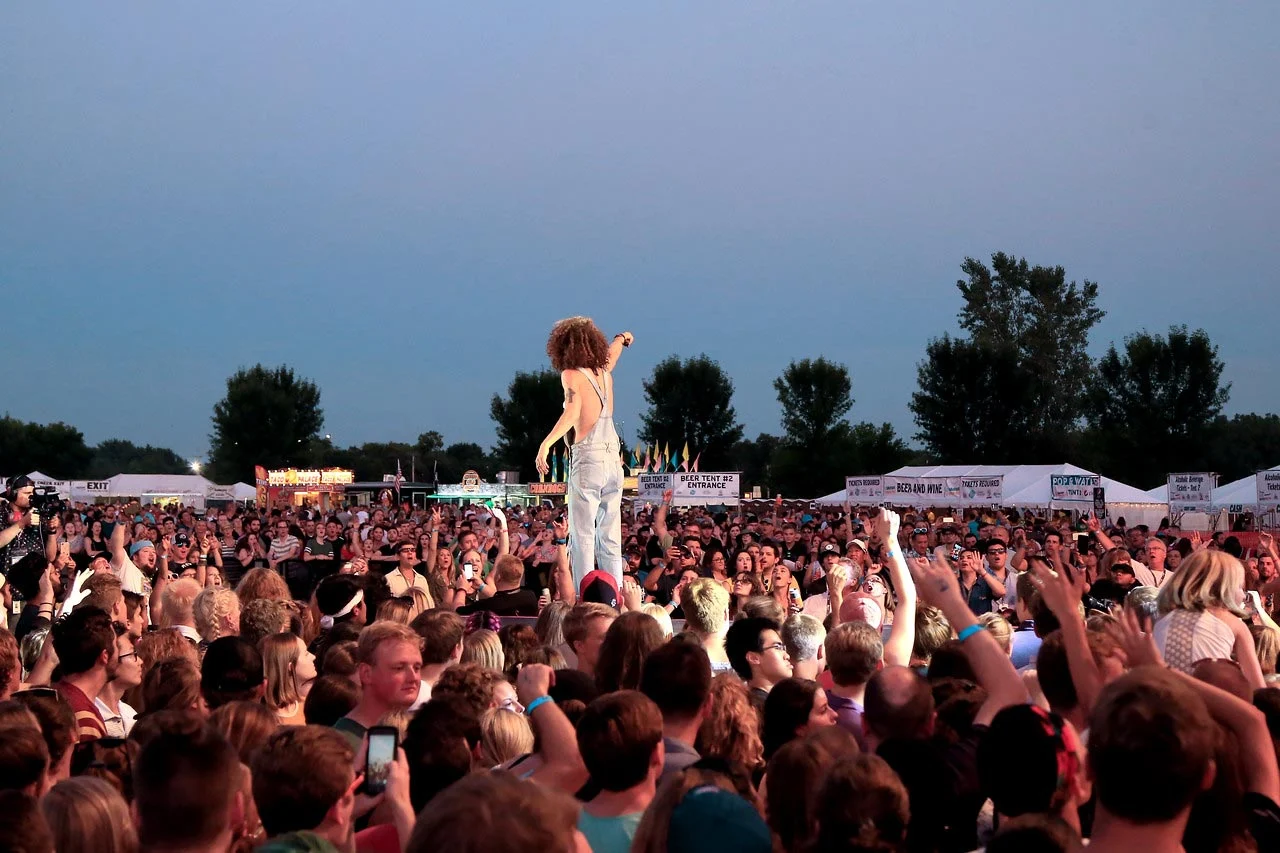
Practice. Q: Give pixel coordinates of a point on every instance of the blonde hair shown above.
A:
(373, 636)
(504, 735)
(999, 628)
(212, 606)
(179, 596)
(422, 602)
(485, 648)
(706, 606)
(86, 813)
(550, 624)
(663, 618)
(396, 610)
(280, 653)
(1203, 580)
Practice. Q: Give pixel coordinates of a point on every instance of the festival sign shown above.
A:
(649, 487)
(982, 490)
(706, 487)
(1268, 488)
(1191, 492)
(923, 491)
(1073, 488)
(864, 489)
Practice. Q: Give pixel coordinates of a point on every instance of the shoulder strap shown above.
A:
(599, 393)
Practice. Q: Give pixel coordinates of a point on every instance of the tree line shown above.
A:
(1017, 387)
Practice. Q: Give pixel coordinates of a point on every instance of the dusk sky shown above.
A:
(399, 199)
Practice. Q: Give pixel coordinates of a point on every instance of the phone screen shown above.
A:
(381, 755)
(467, 571)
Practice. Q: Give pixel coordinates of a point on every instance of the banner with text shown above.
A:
(982, 491)
(861, 490)
(688, 487)
(1191, 492)
(1074, 488)
(1268, 488)
(923, 491)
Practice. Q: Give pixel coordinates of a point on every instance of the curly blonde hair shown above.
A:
(577, 342)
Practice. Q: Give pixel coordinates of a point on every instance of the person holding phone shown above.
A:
(578, 351)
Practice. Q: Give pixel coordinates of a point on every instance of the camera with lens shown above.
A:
(46, 501)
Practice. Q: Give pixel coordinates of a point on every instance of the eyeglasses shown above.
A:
(127, 655)
(773, 647)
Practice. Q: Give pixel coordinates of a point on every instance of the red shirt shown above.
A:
(89, 722)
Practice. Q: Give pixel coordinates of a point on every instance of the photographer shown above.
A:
(21, 529)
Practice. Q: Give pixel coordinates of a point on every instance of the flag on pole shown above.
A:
(684, 458)
(695, 461)
(666, 456)
(399, 479)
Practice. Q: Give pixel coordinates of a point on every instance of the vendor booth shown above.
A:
(310, 487)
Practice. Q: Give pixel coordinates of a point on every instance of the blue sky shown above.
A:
(398, 199)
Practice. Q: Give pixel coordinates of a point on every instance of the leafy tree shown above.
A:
(1242, 445)
(877, 449)
(755, 460)
(973, 404)
(815, 395)
(691, 401)
(533, 403)
(1152, 408)
(56, 449)
(1017, 316)
(268, 417)
(118, 456)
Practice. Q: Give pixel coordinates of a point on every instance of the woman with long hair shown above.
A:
(735, 813)
(731, 732)
(485, 648)
(290, 670)
(716, 563)
(173, 685)
(1202, 615)
(799, 707)
(626, 644)
(95, 545)
(504, 735)
(861, 806)
(746, 585)
(246, 725)
(89, 815)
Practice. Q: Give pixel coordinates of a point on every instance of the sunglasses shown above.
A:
(920, 531)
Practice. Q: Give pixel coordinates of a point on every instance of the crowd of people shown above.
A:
(805, 681)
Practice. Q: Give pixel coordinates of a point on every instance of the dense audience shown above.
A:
(398, 678)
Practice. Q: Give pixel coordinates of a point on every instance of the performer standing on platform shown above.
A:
(578, 350)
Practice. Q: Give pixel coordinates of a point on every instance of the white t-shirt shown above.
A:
(1186, 637)
(131, 577)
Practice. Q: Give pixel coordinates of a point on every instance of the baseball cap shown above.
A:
(231, 665)
(139, 545)
(712, 820)
(1124, 566)
(829, 548)
(600, 587)
(181, 538)
(861, 543)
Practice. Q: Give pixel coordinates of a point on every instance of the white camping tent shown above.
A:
(188, 489)
(1029, 486)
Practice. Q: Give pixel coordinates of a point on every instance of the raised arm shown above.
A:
(994, 671)
(557, 740)
(563, 573)
(620, 340)
(572, 410)
(1062, 592)
(433, 548)
(902, 634)
(660, 517)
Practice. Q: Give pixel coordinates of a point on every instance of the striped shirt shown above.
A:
(88, 721)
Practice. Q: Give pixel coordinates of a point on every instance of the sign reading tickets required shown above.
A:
(1073, 487)
(689, 486)
(1268, 488)
(868, 489)
(1190, 492)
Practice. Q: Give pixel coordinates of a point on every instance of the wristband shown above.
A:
(968, 632)
(537, 703)
(562, 541)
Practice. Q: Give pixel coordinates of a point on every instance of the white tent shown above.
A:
(1237, 496)
(1029, 486)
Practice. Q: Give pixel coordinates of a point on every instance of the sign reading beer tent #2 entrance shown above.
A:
(1190, 492)
(690, 487)
(1074, 488)
(1268, 488)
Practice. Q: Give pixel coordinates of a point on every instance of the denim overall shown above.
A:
(595, 496)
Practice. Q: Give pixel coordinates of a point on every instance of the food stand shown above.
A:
(318, 488)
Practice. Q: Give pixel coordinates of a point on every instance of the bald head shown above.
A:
(898, 704)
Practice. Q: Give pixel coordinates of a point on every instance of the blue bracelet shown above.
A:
(968, 632)
(536, 703)
(562, 541)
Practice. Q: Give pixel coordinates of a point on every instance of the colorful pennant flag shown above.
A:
(695, 461)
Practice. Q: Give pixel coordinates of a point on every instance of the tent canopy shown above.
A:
(1029, 486)
(1242, 492)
